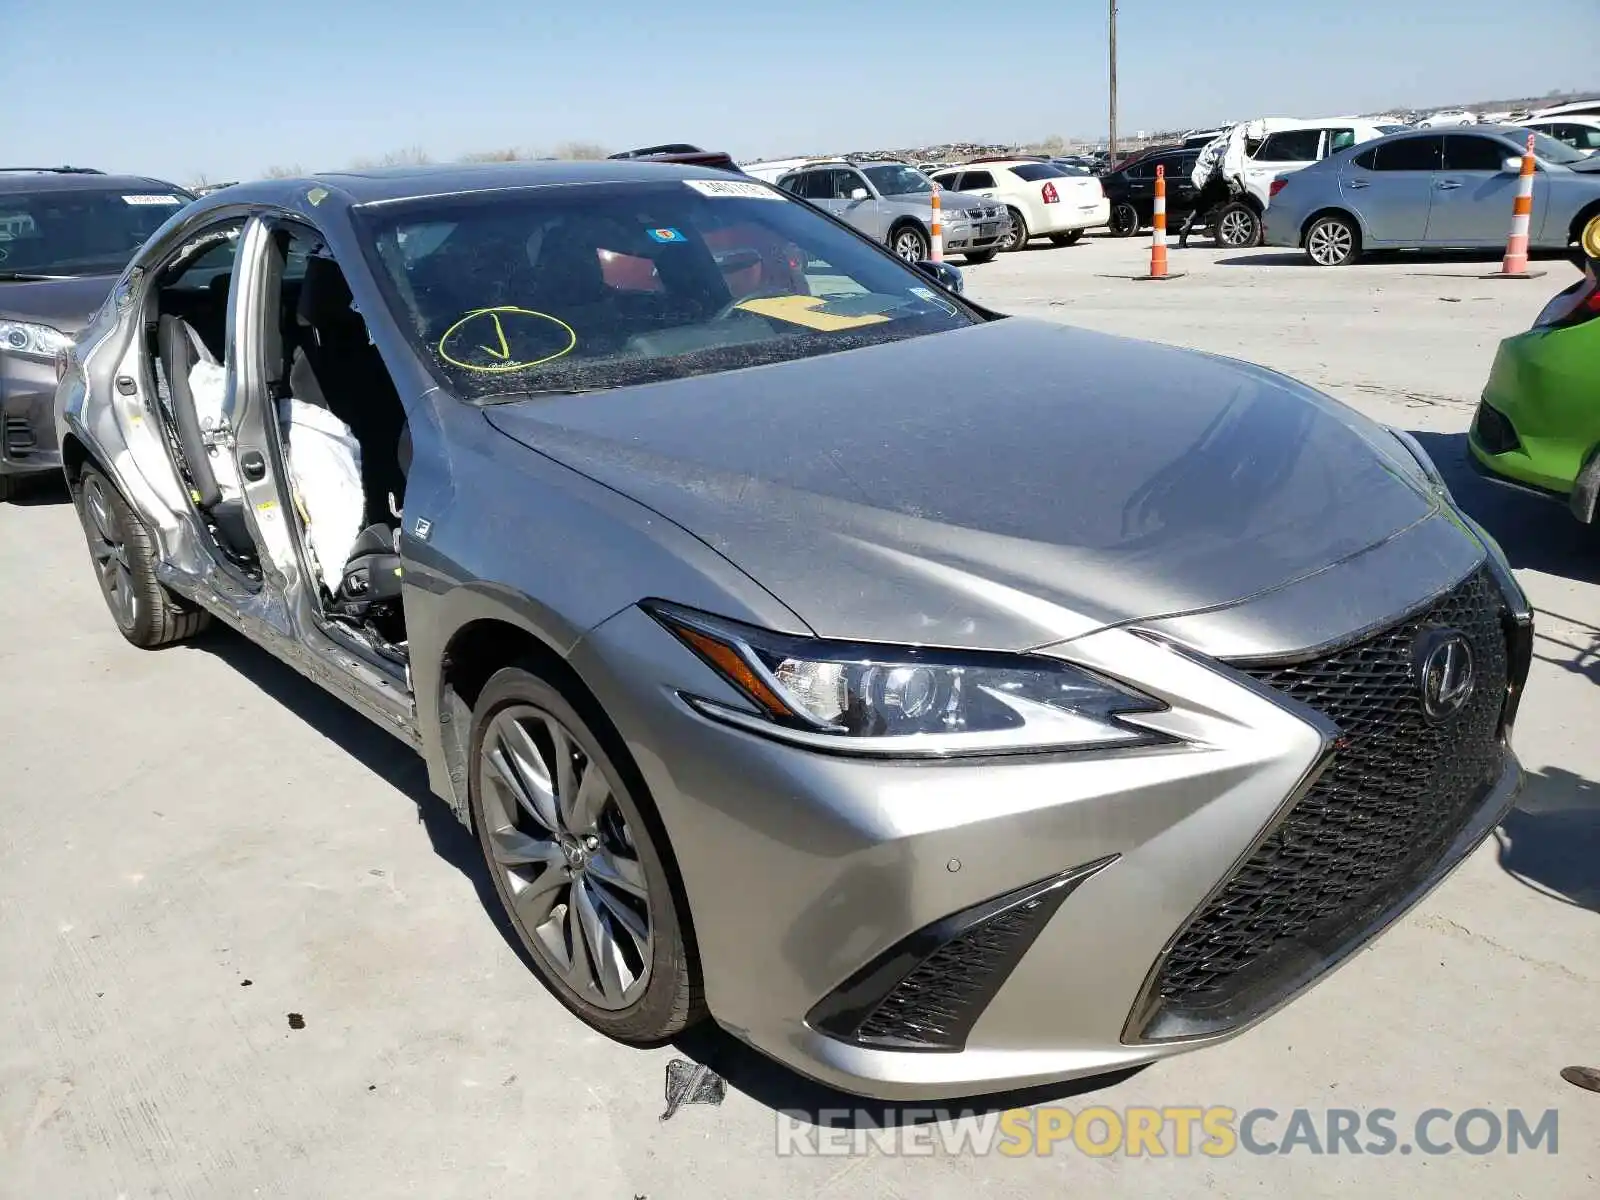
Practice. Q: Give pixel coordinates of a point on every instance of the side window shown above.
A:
(792, 184)
(1473, 153)
(1144, 170)
(852, 184)
(1340, 139)
(1367, 159)
(947, 180)
(1410, 154)
(1293, 145)
(977, 179)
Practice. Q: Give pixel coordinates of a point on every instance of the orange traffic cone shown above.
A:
(1515, 265)
(1158, 239)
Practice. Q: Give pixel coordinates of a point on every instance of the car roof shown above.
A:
(1564, 119)
(31, 182)
(387, 184)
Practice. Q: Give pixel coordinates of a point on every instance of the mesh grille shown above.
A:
(1400, 787)
(935, 1004)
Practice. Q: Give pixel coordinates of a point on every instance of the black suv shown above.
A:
(1131, 188)
(65, 235)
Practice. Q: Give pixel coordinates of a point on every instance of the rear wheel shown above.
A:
(981, 257)
(575, 861)
(909, 243)
(1333, 241)
(1237, 226)
(124, 555)
(1125, 220)
(1018, 238)
(1069, 238)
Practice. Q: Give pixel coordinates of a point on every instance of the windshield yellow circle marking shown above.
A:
(490, 339)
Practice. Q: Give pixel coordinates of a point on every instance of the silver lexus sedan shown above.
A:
(938, 700)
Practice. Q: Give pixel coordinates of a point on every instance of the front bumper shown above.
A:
(808, 876)
(27, 416)
(1538, 424)
(975, 237)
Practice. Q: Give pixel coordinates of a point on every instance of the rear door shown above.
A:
(1285, 151)
(1473, 195)
(1390, 188)
(978, 183)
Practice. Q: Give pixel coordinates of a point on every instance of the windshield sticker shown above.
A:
(922, 293)
(167, 200)
(806, 311)
(666, 235)
(732, 189)
(496, 341)
(317, 195)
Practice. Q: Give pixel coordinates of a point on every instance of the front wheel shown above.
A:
(561, 819)
(1018, 238)
(1125, 220)
(1237, 225)
(124, 554)
(1589, 237)
(981, 257)
(909, 243)
(7, 487)
(1071, 237)
(1333, 241)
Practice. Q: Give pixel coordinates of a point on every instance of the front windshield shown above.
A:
(570, 289)
(1548, 149)
(79, 231)
(897, 179)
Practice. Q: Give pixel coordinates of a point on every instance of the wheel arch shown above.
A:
(1333, 210)
(1585, 214)
(75, 456)
(908, 222)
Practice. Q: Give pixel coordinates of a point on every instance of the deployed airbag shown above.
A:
(208, 386)
(325, 470)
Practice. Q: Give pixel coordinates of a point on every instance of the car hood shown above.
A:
(64, 304)
(950, 201)
(1008, 485)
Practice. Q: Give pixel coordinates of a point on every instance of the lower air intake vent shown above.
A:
(927, 990)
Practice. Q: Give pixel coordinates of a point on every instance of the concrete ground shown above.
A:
(242, 953)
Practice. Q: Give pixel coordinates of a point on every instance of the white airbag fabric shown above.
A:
(208, 384)
(325, 467)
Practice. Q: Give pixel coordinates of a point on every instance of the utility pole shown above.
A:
(1111, 141)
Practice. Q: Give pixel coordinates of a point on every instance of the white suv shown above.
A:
(1288, 146)
(1043, 200)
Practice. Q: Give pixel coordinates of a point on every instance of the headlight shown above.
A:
(894, 700)
(27, 340)
(953, 216)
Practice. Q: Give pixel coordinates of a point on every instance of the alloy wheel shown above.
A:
(908, 246)
(1235, 228)
(567, 857)
(110, 553)
(1330, 243)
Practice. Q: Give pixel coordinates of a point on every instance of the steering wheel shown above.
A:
(732, 306)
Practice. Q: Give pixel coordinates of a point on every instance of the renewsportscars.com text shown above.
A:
(1172, 1131)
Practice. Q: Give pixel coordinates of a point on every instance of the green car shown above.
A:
(1538, 424)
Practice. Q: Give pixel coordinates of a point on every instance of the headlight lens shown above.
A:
(892, 700)
(27, 340)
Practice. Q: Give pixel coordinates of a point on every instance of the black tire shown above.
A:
(1070, 238)
(1586, 233)
(981, 257)
(1125, 220)
(1018, 238)
(1333, 240)
(673, 998)
(124, 554)
(8, 486)
(909, 243)
(1237, 226)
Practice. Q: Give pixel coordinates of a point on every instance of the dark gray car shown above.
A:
(938, 700)
(65, 233)
(892, 203)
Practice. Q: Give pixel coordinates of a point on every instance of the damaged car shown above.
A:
(940, 701)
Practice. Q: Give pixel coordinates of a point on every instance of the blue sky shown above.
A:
(179, 87)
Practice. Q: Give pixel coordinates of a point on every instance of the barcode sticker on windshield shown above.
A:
(731, 188)
(164, 200)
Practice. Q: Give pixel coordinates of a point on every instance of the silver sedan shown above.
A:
(1434, 190)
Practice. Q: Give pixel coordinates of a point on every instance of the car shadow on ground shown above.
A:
(1536, 533)
(745, 1070)
(1549, 261)
(1551, 840)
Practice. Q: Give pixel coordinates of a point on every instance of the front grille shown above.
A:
(1495, 431)
(1398, 790)
(18, 437)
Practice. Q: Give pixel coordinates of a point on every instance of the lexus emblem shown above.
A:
(1445, 673)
